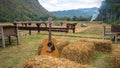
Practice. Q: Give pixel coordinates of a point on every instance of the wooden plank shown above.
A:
(32, 28)
(71, 26)
(103, 32)
(38, 27)
(111, 34)
(8, 31)
(116, 29)
(2, 37)
(17, 35)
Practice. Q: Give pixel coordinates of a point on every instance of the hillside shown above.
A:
(85, 12)
(19, 10)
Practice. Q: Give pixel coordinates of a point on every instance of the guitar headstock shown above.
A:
(50, 20)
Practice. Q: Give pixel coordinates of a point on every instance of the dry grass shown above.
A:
(61, 44)
(115, 56)
(39, 49)
(1, 24)
(80, 52)
(100, 45)
(101, 60)
(50, 62)
(14, 56)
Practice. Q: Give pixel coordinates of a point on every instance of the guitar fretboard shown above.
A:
(50, 22)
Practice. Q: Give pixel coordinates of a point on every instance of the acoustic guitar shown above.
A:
(49, 45)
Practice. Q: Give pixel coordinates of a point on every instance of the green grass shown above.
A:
(101, 60)
(14, 56)
(97, 56)
(16, 61)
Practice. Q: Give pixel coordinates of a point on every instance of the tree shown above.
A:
(110, 11)
(75, 18)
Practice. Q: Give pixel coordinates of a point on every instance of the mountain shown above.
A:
(20, 10)
(85, 12)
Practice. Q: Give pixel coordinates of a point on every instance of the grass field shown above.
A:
(13, 56)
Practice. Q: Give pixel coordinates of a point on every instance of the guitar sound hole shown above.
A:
(51, 46)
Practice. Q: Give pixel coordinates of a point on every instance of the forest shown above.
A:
(22, 10)
(110, 12)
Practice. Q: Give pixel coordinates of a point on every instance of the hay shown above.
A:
(115, 56)
(50, 62)
(100, 45)
(39, 49)
(60, 45)
(80, 52)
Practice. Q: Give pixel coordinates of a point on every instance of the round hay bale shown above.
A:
(80, 52)
(115, 57)
(83, 25)
(51, 62)
(100, 45)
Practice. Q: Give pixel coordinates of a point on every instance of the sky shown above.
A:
(59, 5)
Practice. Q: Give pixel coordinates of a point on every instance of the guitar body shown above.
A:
(49, 48)
(49, 45)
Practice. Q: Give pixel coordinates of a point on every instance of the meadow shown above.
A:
(14, 56)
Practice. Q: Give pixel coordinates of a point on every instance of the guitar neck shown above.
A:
(50, 32)
(50, 22)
